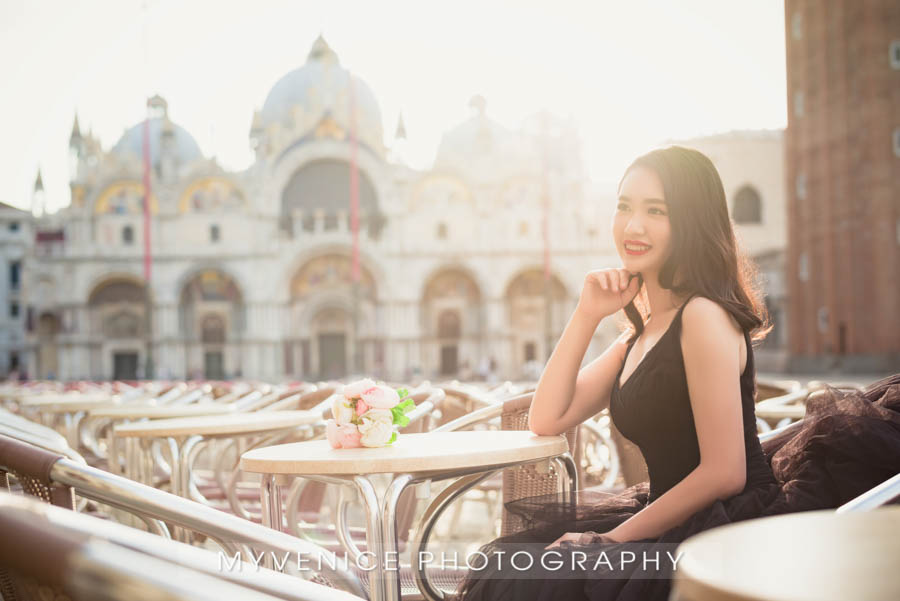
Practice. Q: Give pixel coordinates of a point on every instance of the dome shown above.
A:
(183, 143)
(322, 87)
(481, 147)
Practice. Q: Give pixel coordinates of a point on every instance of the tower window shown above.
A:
(214, 234)
(747, 206)
(797, 26)
(800, 185)
(13, 309)
(127, 235)
(15, 274)
(442, 231)
(14, 226)
(799, 104)
(895, 54)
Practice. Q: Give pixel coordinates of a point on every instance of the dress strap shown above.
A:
(683, 305)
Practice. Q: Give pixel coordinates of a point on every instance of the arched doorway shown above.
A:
(48, 352)
(526, 300)
(211, 309)
(117, 315)
(322, 340)
(451, 310)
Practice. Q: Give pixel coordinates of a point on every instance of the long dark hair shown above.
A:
(705, 254)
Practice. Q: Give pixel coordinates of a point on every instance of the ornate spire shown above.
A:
(39, 182)
(76, 131)
(479, 104)
(400, 134)
(321, 51)
(158, 106)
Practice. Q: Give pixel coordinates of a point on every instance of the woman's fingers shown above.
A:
(568, 536)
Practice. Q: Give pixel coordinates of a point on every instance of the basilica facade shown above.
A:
(472, 265)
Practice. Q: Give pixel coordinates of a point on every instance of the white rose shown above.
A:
(341, 410)
(355, 389)
(377, 427)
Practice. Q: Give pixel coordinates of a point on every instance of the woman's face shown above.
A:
(642, 218)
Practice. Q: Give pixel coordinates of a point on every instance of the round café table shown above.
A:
(63, 413)
(113, 416)
(183, 438)
(807, 556)
(411, 459)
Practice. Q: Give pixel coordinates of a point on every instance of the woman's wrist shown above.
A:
(589, 316)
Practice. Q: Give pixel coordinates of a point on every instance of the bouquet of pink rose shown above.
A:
(364, 415)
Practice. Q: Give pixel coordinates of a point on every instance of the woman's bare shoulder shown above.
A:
(702, 314)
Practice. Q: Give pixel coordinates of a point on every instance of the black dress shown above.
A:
(848, 443)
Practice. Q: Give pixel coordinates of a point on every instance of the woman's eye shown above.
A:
(622, 206)
(659, 210)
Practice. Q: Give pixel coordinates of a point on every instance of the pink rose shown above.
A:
(354, 389)
(361, 407)
(345, 436)
(381, 397)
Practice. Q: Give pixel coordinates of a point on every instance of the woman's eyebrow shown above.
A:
(647, 201)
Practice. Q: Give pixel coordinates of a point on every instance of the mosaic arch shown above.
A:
(124, 198)
(444, 192)
(330, 273)
(211, 194)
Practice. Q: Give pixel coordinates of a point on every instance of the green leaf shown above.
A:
(393, 438)
(402, 392)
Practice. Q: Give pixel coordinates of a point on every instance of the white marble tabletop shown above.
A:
(139, 410)
(410, 453)
(809, 555)
(219, 425)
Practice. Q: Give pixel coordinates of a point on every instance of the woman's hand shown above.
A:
(582, 538)
(606, 291)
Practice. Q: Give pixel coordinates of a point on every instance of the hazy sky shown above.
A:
(631, 73)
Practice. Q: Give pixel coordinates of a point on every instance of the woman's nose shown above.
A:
(634, 226)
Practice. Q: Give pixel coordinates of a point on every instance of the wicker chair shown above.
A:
(527, 480)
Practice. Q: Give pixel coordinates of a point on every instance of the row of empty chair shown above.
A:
(147, 475)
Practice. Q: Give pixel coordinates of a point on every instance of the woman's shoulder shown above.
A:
(703, 315)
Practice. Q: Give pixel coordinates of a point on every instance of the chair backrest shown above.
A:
(33, 559)
(526, 481)
(83, 558)
(53, 470)
(31, 466)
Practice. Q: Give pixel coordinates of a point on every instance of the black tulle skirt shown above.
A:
(848, 443)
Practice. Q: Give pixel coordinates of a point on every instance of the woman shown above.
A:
(681, 385)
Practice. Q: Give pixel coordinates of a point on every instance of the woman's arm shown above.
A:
(588, 388)
(711, 343)
(566, 396)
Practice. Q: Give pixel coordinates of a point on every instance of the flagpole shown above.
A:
(148, 258)
(545, 232)
(354, 228)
